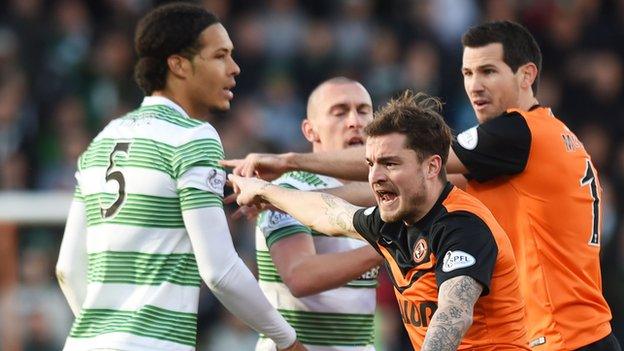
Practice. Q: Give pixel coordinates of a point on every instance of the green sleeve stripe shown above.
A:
(267, 271)
(78, 194)
(362, 284)
(282, 233)
(200, 143)
(197, 153)
(191, 198)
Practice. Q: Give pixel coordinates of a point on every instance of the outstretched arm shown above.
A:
(306, 272)
(344, 164)
(319, 211)
(456, 299)
(357, 193)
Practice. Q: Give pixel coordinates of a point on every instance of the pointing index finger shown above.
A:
(230, 163)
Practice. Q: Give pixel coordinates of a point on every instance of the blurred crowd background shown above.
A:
(66, 70)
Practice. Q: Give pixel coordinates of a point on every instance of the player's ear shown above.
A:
(528, 74)
(308, 131)
(434, 166)
(178, 65)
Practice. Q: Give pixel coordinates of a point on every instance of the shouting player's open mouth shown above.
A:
(386, 197)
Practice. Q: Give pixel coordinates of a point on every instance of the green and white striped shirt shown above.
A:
(338, 319)
(136, 179)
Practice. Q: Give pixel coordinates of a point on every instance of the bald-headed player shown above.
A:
(324, 286)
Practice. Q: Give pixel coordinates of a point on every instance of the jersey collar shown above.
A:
(427, 219)
(161, 100)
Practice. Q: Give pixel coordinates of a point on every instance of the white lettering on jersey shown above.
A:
(457, 259)
(468, 139)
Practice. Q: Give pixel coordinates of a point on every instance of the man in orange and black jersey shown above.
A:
(457, 237)
(535, 176)
(453, 267)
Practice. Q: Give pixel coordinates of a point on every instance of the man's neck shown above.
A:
(184, 103)
(527, 101)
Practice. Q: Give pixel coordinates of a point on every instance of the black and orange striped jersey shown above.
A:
(457, 237)
(535, 176)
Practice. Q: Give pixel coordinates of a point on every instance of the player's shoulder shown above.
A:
(203, 136)
(172, 124)
(463, 225)
(510, 126)
(508, 120)
(165, 111)
(205, 130)
(536, 114)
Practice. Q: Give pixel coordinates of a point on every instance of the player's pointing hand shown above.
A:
(265, 166)
(248, 189)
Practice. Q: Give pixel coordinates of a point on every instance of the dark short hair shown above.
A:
(419, 118)
(519, 46)
(167, 30)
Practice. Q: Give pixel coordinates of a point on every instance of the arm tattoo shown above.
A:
(268, 184)
(337, 213)
(453, 318)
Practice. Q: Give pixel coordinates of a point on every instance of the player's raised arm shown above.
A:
(319, 211)
(356, 193)
(345, 164)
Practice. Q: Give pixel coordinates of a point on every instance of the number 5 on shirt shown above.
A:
(118, 177)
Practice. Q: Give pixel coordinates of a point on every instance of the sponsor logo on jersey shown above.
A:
(418, 314)
(457, 259)
(276, 218)
(420, 251)
(468, 139)
(215, 180)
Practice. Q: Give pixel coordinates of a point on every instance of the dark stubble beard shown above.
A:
(413, 212)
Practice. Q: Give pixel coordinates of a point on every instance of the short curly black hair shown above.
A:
(167, 30)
